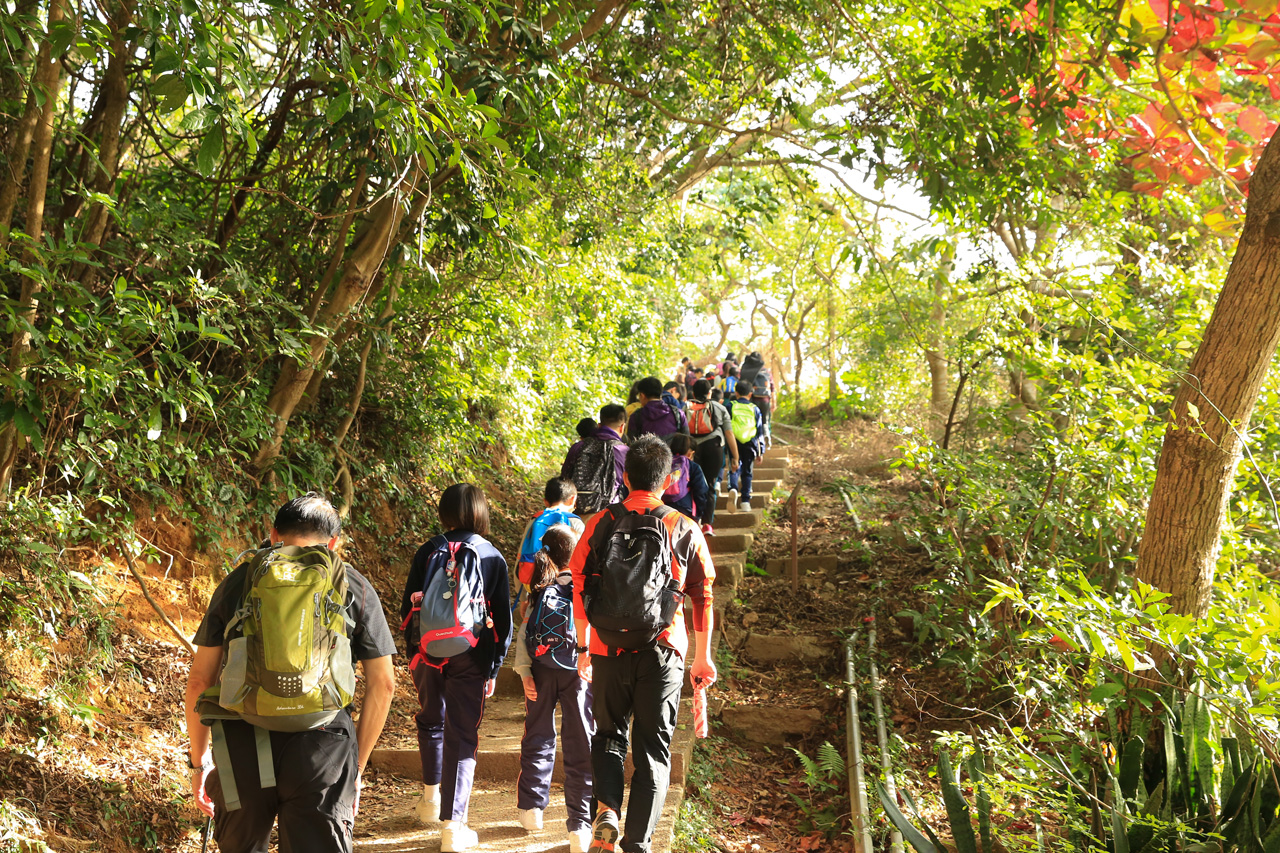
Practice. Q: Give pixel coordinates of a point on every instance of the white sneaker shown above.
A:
(456, 836)
(579, 840)
(427, 808)
(531, 819)
(733, 500)
(745, 506)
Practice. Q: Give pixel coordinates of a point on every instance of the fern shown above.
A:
(831, 761)
(812, 774)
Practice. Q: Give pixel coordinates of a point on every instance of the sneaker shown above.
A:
(604, 832)
(707, 531)
(531, 819)
(733, 499)
(427, 808)
(457, 837)
(745, 506)
(579, 840)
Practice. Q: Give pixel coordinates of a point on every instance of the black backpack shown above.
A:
(594, 475)
(629, 593)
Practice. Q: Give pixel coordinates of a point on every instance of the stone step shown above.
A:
(730, 543)
(732, 522)
(763, 486)
(759, 500)
(771, 463)
(807, 563)
(498, 757)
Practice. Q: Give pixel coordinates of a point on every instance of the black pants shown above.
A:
(314, 795)
(710, 458)
(643, 685)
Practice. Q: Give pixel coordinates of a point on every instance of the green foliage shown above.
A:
(825, 778)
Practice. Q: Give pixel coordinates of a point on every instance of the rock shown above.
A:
(783, 648)
(771, 724)
(829, 587)
(750, 619)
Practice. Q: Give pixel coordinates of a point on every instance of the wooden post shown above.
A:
(795, 540)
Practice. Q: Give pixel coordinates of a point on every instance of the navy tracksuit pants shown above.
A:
(538, 746)
(452, 703)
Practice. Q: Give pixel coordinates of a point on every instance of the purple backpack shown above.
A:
(680, 488)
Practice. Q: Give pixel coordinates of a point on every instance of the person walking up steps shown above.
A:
(748, 429)
(712, 433)
(457, 624)
(559, 496)
(631, 570)
(280, 752)
(594, 464)
(547, 662)
(688, 493)
(655, 417)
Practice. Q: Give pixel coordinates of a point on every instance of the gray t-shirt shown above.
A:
(721, 425)
(370, 638)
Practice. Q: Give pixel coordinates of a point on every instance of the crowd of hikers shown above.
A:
(597, 620)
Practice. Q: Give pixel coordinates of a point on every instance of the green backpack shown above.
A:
(744, 420)
(286, 654)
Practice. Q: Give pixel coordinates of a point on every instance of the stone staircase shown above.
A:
(493, 801)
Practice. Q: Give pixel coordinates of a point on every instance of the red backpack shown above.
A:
(700, 419)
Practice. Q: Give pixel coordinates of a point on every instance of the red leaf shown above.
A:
(1253, 121)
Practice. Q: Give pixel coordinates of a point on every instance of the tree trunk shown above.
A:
(48, 77)
(935, 354)
(357, 393)
(1211, 411)
(115, 96)
(36, 119)
(363, 261)
(833, 382)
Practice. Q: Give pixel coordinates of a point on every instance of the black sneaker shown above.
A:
(604, 832)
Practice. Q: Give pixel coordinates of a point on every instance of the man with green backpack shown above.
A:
(271, 689)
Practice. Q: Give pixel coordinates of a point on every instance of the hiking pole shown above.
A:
(204, 836)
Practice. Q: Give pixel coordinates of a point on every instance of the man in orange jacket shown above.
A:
(636, 674)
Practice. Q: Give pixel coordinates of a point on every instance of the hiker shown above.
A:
(748, 429)
(672, 396)
(712, 433)
(547, 663)
(655, 416)
(639, 559)
(585, 427)
(757, 376)
(457, 630)
(278, 752)
(730, 378)
(594, 464)
(633, 398)
(559, 496)
(682, 370)
(689, 492)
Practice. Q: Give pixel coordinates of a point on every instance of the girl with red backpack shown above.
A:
(452, 691)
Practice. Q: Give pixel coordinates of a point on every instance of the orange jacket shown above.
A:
(690, 568)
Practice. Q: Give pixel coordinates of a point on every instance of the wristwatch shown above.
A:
(192, 765)
(582, 650)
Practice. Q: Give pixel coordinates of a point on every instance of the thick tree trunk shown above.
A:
(48, 77)
(1202, 443)
(363, 261)
(36, 119)
(833, 382)
(115, 98)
